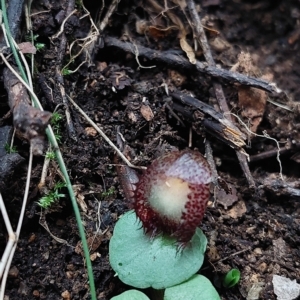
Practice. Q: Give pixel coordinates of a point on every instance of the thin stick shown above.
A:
(109, 12)
(211, 162)
(46, 164)
(12, 238)
(227, 257)
(71, 129)
(18, 231)
(39, 12)
(179, 62)
(274, 152)
(234, 254)
(91, 19)
(106, 138)
(55, 36)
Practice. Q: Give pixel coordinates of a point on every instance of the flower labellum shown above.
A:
(172, 195)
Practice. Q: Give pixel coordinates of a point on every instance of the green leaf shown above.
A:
(142, 262)
(196, 288)
(232, 278)
(131, 295)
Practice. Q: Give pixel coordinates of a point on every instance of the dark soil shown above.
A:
(257, 231)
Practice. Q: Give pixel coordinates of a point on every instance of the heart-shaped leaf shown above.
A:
(131, 295)
(143, 262)
(196, 288)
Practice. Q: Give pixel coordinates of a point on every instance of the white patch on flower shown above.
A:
(168, 197)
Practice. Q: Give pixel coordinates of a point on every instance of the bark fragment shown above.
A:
(29, 122)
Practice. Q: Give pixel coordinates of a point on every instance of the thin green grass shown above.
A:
(53, 141)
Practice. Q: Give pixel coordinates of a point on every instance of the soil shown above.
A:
(256, 230)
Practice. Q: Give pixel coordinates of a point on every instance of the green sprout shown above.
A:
(231, 278)
(10, 149)
(33, 38)
(39, 46)
(65, 72)
(78, 3)
(50, 155)
(47, 201)
(56, 118)
(108, 193)
(55, 122)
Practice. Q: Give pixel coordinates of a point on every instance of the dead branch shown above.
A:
(110, 11)
(214, 122)
(278, 188)
(274, 152)
(58, 76)
(176, 61)
(219, 93)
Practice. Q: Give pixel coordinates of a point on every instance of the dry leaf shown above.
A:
(219, 44)
(207, 3)
(101, 65)
(188, 50)
(227, 199)
(132, 117)
(141, 26)
(94, 241)
(177, 78)
(120, 80)
(181, 3)
(159, 33)
(91, 131)
(66, 295)
(94, 256)
(244, 65)
(254, 291)
(146, 112)
(213, 253)
(252, 101)
(27, 48)
(79, 197)
(238, 210)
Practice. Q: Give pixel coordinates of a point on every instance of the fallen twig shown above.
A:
(105, 137)
(274, 152)
(280, 188)
(179, 62)
(217, 124)
(109, 12)
(61, 30)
